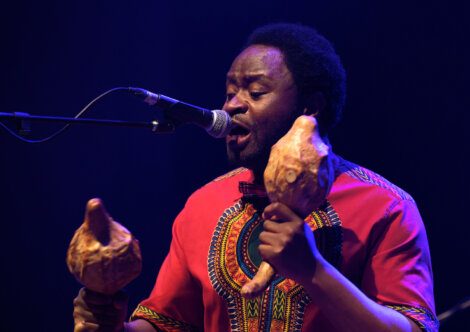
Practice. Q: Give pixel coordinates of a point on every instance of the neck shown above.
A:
(258, 176)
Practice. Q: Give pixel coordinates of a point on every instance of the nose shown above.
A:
(235, 105)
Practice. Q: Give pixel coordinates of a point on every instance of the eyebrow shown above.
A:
(246, 78)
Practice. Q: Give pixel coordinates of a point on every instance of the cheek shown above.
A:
(273, 119)
(265, 134)
(274, 124)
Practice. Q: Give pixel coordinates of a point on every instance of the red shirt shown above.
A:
(369, 229)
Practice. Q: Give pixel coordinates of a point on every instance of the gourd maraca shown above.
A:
(298, 174)
(103, 255)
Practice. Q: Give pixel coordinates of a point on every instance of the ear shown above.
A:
(315, 104)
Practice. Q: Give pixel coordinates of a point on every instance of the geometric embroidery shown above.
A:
(422, 317)
(159, 321)
(230, 174)
(234, 259)
(367, 176)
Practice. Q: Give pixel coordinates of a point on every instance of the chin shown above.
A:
(254, 161)
(236, 160)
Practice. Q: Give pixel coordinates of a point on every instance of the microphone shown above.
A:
(217, 123)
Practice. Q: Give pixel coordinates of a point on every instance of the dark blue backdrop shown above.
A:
(406, 118)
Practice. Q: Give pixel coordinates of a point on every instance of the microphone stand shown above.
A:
(23, 122)
(446, 315)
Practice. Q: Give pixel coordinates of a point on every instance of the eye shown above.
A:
(255, 95)
(229, 95)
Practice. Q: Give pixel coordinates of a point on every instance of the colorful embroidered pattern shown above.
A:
(367, 176)
(230, 174)
(159, 321)
(424, 318)
(234, 259)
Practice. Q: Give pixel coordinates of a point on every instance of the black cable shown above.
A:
(61, 130)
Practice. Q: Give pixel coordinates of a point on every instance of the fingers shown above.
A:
(268, 237)
(99, 312)
(103, 316)
(279, 212)
(272, 244)
(84, 326)
(266, 252)
(92, 327)
(272, 226)
(81, 315)
(282, 228)
(92, 297)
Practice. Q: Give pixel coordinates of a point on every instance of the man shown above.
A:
(358, 263)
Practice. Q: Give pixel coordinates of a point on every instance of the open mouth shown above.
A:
(238, 137)
(238, 131)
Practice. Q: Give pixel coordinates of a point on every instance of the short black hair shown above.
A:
(313, 62)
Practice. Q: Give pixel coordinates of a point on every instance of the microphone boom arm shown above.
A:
(22, 120)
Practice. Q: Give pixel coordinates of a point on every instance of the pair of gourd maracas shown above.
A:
(104, 256)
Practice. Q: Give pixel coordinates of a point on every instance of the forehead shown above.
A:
(258, 61)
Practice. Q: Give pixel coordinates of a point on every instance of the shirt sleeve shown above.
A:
(175, 303)
(398, 272)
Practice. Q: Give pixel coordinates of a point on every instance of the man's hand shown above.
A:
(288, 244)
(99, 312)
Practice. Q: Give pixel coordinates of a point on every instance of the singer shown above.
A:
(360, 262)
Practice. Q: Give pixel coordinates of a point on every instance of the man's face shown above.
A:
(262, 100)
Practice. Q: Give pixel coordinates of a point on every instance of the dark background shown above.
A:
(406, 118)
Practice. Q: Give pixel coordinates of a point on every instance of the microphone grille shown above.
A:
(221, 124)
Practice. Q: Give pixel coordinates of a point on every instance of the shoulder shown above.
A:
(205, 206)
(366, 201)
(232, 174)
(222, 189)
(361, 176)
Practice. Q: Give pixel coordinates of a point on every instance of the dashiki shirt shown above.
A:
(369, 229)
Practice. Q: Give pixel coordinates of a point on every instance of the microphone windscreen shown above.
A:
(221, 124)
